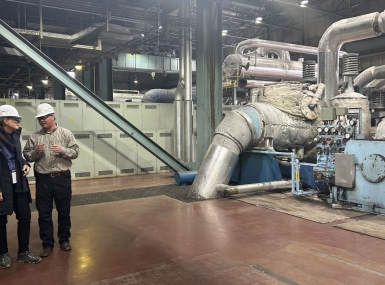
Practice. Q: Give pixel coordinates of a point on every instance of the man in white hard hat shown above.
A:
(52, 149)
(15, 195)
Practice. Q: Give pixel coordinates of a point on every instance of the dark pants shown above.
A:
(56, 189)
(23, 216)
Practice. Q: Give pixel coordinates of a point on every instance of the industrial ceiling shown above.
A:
(75, 31)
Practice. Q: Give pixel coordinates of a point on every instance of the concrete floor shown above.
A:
(160, 240)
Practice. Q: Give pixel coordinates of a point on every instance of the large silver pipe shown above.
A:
(188, 122)
(368, 75)
(243, 127)
(343, 31)
(250, 188)
(178, 102)
(262, 68)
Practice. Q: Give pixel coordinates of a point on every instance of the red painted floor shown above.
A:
(160, 240)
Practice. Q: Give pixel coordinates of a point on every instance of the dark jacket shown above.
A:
(6, 185)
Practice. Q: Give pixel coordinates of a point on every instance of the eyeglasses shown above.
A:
(16, 119)
(44, 117)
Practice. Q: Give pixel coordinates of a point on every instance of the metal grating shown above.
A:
(3, 103)
(150, 107)
(82, 174)
(23, 104)
(114, 106)
(172, 191)
(25, 137)
(105, 136)
(150, 135)
(71, 105)
(147, 169)
(123, 136)
(105, 172)
(126, 171)
(82, 136)
(163, 135)
(164, 167)
(31, 178)
(132, 106)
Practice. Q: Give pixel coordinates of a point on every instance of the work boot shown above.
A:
(66, 246)
(46, 252)
(5, 261)
(28, 257)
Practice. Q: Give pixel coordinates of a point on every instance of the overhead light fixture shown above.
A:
(78, 67)
(258, 20)
(160, 28)
(136, 80)
(45, 80)
(302, 5)
(224, 32)
(304, 2)
(142, 35)
(29, 86)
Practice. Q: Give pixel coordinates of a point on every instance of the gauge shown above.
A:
(326, 129)
(319, 130)
(333, 130)
(347, 136)
(316, 140)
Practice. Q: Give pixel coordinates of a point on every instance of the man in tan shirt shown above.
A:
(52, 150)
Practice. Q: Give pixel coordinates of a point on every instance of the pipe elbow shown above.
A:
(381, 22)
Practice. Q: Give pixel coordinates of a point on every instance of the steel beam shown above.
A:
(51, 68)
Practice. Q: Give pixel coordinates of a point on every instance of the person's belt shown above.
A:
(56, 174)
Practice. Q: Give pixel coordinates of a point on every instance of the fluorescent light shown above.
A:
(45, 80)
(304, 2)
(29, 86)
(224, 32)
(259, 19)
(302, 5)
(142, 35)
(78, 67)
(136, 80)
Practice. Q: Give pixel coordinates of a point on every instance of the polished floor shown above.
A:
(160, 240)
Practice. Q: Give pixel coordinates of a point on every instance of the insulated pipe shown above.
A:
(365, 77)
(188, 104)
(277, 45)
(249, 188)
(262, 68)
(343, 31)
(243, 127)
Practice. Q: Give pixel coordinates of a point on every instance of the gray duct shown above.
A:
(250, 125)
(343, 31)
(163, 96)
(368, 75)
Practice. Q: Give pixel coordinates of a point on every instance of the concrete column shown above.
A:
(209, 72)
(89, 78)
(105, 80)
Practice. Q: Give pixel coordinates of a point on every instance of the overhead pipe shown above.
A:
(251, 188)
(343, 31)
(277, 46)
(248, 83)
(163, 96)
(368, 75)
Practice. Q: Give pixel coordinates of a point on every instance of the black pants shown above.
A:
(23, 216)
(56, 189)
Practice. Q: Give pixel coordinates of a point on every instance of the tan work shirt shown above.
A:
(48, 162)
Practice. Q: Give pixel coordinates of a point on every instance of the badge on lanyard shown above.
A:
(14, 181)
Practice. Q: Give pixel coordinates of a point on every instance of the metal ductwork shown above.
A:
(343, 31)
(370, 74)
(250, 125)
(163, 96)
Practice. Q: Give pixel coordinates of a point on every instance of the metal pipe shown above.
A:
(178, 138)
(41, 19)
(247, 83)
(343, 31)
(255, 187)
(365, 77)
(188, 121)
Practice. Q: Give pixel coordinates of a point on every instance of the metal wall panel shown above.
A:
(165, 139)
(5, 101)
(150, 116)
(127, 155)
(146, 161)
(84, 166)
(118, 107)
(27, 109)
(132, 112)
(105, 153)
(166, 116)
(92, 120)
(71, 113)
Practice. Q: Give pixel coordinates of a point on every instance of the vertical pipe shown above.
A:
(178, 102)
(188, 84)
(108, 15)
(41, 19)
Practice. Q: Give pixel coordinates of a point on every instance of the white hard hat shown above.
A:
(8, 111)
(44, 109)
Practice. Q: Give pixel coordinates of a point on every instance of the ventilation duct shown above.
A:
(370, 74)
(162, 96)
